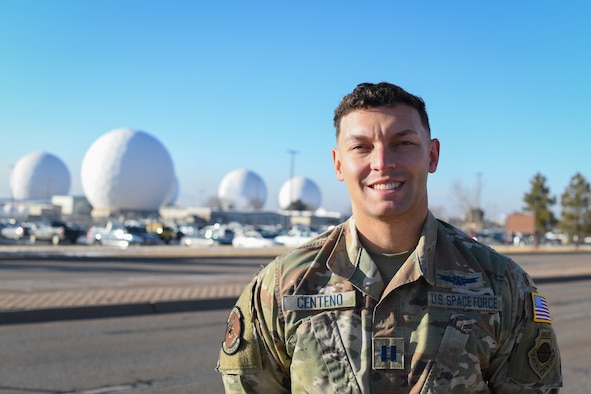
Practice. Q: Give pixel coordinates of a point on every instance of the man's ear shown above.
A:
(336, 161)
(433, 155)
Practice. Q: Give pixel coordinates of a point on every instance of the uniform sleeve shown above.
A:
(249, 357)
(528, 358)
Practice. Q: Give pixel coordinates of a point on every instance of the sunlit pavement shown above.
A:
(101, 298)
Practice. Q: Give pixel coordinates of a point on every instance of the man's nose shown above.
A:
(383, 159)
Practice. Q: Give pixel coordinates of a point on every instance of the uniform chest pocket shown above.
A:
(322, 349)
(461, 356)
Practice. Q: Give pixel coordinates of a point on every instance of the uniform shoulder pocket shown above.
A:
(240, 352)
(536, 357)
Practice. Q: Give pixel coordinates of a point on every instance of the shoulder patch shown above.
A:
(234, 329)
(543, 355)
(541, 311)
(240, 351)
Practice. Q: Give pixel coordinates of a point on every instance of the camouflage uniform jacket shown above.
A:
(456, 318)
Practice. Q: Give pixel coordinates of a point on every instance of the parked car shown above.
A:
(56, 232)
(221, 234)
(112, 235)
(198, 239)
(14, 231)
(164, 232)
(147, 238)
(296, 236)
(252, 239)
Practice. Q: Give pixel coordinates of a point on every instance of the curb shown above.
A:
(113, 311)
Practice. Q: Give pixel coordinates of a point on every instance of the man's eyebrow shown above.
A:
(400, 133)
(404, 132)
(355, 137)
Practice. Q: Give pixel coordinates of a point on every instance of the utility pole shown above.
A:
(293, 153)
(478, 189)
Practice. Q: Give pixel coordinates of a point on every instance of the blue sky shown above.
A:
(226, 85)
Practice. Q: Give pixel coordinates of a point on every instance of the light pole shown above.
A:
(478, 189)
(293, 153)
(291, 173)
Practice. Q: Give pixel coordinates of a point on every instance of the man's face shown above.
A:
(384, 156)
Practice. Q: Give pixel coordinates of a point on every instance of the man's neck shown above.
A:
(389, 236)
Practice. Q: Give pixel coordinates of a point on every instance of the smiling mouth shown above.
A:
(386, 186)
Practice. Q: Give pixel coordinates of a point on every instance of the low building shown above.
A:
(521, 227)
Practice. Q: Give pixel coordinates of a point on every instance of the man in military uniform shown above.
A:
(393, 300)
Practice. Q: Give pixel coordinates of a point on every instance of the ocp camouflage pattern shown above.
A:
(456, 318)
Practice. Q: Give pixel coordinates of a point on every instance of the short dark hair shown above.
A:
(370, 95)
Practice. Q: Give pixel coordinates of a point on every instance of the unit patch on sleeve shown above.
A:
(543, 355)
(233, 332)
(541, 312)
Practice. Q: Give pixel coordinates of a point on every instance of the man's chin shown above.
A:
(385, 211)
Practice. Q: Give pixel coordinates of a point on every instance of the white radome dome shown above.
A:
(300, 189)
(173, 195)
(242, 189)
(39, 175)
(127, 169)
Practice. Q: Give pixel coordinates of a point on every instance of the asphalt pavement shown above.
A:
(165, 294)
(41, 300)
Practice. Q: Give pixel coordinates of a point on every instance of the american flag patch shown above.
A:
(541, 310)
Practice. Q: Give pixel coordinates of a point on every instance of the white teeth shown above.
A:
(386, 186)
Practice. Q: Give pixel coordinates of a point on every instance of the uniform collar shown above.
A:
(349, 259)
(425, 251)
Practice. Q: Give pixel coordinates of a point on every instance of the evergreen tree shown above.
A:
(576, 209)
(538, 201)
